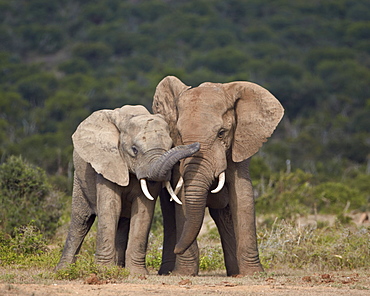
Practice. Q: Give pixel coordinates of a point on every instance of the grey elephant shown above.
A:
(115, 153)
(231, 121)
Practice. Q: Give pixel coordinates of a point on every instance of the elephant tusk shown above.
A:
(179, 185)
(173, 195)
(221, 183)
(144, 188)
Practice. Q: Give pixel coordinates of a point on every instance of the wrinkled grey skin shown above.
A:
(230, 121)
(113, 149)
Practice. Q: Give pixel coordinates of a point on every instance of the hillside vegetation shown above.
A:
(62, 60)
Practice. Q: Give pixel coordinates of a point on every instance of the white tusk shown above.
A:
(144, 188)
(221, 183)
(173, 195)
(179, 185)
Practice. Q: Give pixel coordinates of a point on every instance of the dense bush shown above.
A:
(288, 195)
(25, 196)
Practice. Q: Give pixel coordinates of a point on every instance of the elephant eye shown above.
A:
(134, 150)
(221, 133)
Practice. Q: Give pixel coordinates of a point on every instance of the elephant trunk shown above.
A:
(160, 169)
(197, 185)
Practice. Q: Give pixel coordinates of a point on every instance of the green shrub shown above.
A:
(26, 195)
(83, 269)
(26, 248)
(211, 258)
(153, 257)
(298, 194)
(28, 240)
(284, 194)
(334, 198)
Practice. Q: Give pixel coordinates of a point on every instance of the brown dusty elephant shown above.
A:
(115, 152)
(231, 121)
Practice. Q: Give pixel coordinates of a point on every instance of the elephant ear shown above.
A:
(165, 101)
(257, 114)
(96, 141)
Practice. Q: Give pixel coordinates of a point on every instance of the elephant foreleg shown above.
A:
(224, 223)
(109, 210)
(81, 222)
(187, 263)
(244, 220)
(169, 234)
(142, 212)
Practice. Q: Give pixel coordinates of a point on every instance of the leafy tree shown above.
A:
(224, 60)
(95, 53)
(74, 66)
(45, 39)
(36, 88)
(39, 11)
(358, 31)
(318, 54)
(12, 106)
(97, 13)
(13, 70)
(346, 77)
(64, 106)
(258, 33)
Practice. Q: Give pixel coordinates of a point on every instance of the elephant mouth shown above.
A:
(160, 169)
(145, 190)
(221, 183)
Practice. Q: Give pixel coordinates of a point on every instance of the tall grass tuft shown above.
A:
(329, 248)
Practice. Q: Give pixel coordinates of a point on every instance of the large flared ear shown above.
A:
(96, 141)
(257, 114)
(165, 100)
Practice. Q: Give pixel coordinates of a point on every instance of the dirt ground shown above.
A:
(137, 289)
(18, 282)
(295, 283)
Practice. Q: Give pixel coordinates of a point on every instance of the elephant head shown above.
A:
(231, 121)
(129, 140)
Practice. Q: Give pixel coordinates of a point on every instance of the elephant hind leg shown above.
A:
(122, 239)
(223, 221)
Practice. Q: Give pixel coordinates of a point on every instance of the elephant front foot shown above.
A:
(250, 270)
(64, 262)
(136, 265)
(62, 265)
(135, 271)
(186, 269)
(185, 272)
(187, 264)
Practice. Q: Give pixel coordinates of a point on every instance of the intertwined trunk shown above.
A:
(198, 180)
(160, 167)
